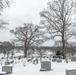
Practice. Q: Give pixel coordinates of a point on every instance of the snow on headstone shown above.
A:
(2, 73)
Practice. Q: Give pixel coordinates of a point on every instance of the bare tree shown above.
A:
(3, 4)
(58, 20)
(29, 35)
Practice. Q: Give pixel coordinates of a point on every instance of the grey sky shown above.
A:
(22, 11)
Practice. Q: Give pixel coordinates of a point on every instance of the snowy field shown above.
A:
(34, 69)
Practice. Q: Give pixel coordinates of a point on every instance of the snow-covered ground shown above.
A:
(32, 69)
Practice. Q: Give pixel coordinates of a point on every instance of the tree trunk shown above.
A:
(4, 52)
(25, 53)
(63, 47)
(25, 50)
(40, 57)
(12, 53)
(66, 57)
(63, 43)
(7, 54)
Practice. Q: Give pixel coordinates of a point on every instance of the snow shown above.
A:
(18, 54)
(34, 69)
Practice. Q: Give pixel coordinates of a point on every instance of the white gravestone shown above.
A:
(2, 73)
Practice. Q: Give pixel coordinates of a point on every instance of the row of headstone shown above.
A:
(46, 66)
(7, 62)
(60, 60)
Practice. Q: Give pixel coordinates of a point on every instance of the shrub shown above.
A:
(59, 54)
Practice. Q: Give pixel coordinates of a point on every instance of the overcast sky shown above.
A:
(22, 11)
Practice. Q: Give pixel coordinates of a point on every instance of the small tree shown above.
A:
(58, 52)
(29, 35)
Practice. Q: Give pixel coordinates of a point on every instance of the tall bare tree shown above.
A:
(58, 20)
(29, 35)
